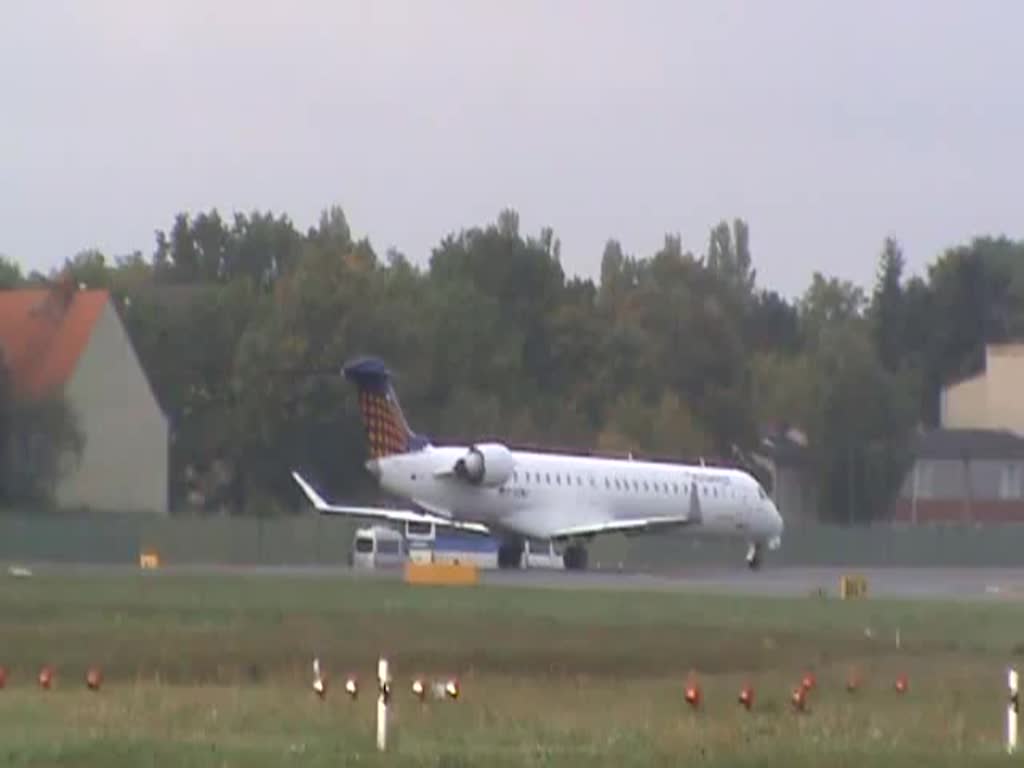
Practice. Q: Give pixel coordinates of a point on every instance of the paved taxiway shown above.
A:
(1005, 584)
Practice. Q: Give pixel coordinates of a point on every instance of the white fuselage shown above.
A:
(550, 492)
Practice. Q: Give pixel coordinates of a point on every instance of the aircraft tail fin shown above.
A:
(387, 431)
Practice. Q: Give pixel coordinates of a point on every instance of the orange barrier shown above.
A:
(441, 573)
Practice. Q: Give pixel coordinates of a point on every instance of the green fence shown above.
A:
(819, 545)
(111, 539)
(309, 540)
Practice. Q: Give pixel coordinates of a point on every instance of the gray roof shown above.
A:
(992, 444)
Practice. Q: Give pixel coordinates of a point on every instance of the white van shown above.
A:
(377, 547)
(540, 553)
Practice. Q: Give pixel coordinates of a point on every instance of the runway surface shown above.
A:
(1001, 584)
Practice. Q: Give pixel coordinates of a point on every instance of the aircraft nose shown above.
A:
(373, 467)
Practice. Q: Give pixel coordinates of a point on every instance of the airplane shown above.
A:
(490, 489)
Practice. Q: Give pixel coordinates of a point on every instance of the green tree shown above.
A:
(10, 273)
(859, 413)
(975, 298)
(888, 308)
(40, 441)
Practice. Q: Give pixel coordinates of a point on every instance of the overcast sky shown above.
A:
(826, 125)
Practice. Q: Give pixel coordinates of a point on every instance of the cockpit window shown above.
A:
(761, 493)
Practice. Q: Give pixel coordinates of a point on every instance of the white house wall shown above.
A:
(965, 405)
(124, 463)
(992, 399)
(1005, 376)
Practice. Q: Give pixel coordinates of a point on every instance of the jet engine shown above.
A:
(488, 464)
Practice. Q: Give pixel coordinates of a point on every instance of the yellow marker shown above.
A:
(853, 587)
(149, 559)
(441, 573)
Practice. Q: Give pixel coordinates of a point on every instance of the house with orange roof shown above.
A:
(62, 340)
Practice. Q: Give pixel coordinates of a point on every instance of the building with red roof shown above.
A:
(62, 340)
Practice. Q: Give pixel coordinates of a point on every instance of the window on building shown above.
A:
(1010, 482)
(922, 486)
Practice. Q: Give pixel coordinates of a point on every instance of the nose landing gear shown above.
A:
(754, 556)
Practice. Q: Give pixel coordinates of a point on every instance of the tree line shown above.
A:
(242, 326)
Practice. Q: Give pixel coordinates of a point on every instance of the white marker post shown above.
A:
(383, 701)
(1012, 710)
(318, 681)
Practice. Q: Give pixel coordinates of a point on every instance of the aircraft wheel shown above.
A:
(510, 555)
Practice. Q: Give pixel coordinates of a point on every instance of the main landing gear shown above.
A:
(510, 554)
(575, 557)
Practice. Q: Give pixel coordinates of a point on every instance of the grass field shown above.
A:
(204, 670)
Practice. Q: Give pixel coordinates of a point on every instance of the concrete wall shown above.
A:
(124, 464)
(118, 538)
(309, 540)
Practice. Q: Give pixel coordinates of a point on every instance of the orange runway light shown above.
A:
(747, 697)
(809, 681)
(853, 681)
(94, 678)
(46, 677)
(693, 693)
(902, 684)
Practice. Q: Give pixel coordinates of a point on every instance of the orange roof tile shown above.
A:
(43, 338)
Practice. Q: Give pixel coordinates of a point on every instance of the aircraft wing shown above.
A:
(383, 513)
(635, 525)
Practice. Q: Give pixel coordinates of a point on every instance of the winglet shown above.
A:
(315, 498)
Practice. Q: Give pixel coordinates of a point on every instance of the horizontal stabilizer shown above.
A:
(383, 513)
(636, 525)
